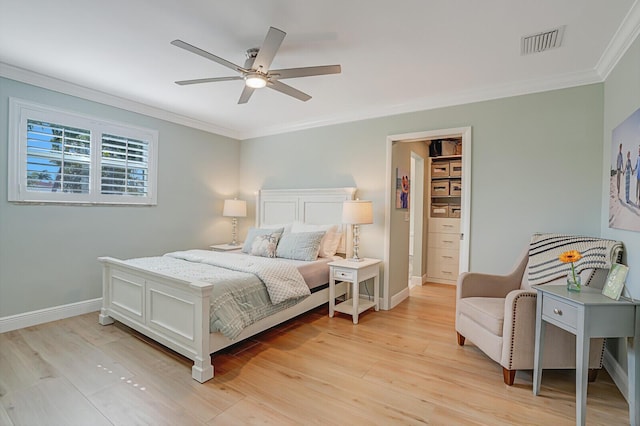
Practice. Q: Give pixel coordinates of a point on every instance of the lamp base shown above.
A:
(355, 259)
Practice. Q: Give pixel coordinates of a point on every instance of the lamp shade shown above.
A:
(235, 208)
(357, 212)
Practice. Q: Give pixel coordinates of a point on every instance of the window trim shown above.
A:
(20, 111)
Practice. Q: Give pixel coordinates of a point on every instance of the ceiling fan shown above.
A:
(256, 73)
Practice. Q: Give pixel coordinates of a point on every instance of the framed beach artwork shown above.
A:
(624, 179)
(402, 189)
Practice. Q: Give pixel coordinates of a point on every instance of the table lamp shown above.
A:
(356, 213)
(234, 208)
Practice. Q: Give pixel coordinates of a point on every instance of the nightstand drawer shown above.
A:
(560, 311)
(342, 275)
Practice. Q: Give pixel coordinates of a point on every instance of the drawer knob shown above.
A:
(557, 311)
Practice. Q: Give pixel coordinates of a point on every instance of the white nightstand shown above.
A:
(225, 247)
(355, 273)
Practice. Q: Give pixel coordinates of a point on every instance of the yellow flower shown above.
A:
(570, 256)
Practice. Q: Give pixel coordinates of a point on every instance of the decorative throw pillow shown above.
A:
(265, 245)
(300, 245)
(253, 233)
(329, 244)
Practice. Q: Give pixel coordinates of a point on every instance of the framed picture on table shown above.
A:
(615, 281)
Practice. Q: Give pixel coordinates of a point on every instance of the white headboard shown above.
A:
(313, 206)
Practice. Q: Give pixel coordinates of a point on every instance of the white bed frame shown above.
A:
(175, 312)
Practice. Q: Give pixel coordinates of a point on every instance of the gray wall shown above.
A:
(621, 99)
(48, 252)
(537, 162)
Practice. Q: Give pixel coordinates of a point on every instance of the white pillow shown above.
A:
(329, 244)
(330, 240)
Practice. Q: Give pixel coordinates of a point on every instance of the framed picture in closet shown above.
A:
(403, 184)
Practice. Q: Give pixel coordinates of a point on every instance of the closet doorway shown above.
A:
(398, 221)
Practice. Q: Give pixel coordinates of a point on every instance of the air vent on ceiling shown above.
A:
(546, 40)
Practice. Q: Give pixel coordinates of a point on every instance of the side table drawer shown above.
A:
(340, 274)
(560, 311)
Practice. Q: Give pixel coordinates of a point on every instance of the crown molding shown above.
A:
(62, 86)
(466, 97)
(623, 38)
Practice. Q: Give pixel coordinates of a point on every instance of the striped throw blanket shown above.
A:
(544, 249)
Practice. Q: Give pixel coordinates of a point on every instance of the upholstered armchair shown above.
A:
(497, 313)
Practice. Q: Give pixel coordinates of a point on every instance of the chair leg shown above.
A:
(509, 376)
(460, 339)
(593, 374)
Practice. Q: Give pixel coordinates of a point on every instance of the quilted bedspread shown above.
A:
(283, 281)
(246, 289)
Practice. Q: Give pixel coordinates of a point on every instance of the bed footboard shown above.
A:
(173, 312)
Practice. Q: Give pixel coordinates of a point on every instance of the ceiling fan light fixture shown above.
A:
(255, 72)
(255, 80)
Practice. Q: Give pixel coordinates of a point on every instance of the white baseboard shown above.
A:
(415, 281)
(617, 373)
(399, 297)
(41, 316)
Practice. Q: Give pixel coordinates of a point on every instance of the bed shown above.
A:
(175, 309)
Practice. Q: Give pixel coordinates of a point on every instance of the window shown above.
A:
(62, 157)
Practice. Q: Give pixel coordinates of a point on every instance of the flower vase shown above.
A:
(574, 282)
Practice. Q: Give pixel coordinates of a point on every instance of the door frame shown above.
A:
(416, 219)
(389, 301)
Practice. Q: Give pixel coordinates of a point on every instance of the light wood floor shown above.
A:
(396, 367)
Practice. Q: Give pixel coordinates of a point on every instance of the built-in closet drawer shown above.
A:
(439, 240)
(446, 225)
(443, 264)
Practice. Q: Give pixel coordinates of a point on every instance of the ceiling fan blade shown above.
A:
(246, 94)
(207, 80)
(288, 90)
(267, 52)
(186, 46)
(305, 71)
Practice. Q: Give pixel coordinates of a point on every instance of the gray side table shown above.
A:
(589, 314)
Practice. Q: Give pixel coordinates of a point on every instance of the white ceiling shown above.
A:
(396, 56)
